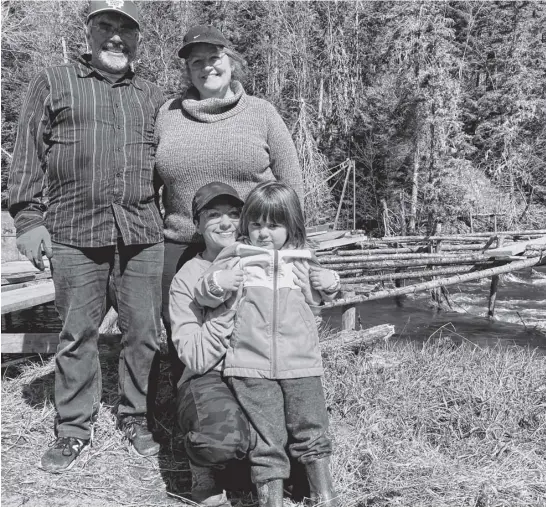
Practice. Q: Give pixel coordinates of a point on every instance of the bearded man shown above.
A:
(87, 129)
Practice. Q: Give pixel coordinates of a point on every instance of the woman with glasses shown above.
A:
(214, 132)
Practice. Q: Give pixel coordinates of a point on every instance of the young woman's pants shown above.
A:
(283, 413)
(214, 426)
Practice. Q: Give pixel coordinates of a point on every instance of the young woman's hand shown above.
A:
(322, 279)
(301, 270)
(229, 279)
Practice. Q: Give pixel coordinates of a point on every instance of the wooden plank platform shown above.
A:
(23, 271)
(334, 243)
(39, 343)
(27, 297)
(515, 248)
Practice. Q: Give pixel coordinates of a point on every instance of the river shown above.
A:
(520, 314)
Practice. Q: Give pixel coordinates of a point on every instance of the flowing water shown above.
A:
(520, 314)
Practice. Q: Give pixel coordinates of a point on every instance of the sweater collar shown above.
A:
(213, 110)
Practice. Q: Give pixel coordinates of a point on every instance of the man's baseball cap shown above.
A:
(209, 192)
(202, 33)
(124, 7)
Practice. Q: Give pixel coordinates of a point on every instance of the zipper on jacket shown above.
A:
(275, 314)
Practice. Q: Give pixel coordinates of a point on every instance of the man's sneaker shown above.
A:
(63, 453)
(141, 438)
(204, 490)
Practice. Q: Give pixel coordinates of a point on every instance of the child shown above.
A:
(273, 359)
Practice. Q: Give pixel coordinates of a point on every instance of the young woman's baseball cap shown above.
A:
(211, 191)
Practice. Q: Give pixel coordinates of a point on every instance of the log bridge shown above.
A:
(431, 262)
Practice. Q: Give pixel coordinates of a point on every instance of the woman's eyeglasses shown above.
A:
(212, 61)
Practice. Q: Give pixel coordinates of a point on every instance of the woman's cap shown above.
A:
(126, 8)
(202, 33)
(209, 192)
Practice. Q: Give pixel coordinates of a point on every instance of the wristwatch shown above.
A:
(214, 288)
(335, 286)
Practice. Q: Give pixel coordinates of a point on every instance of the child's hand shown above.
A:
(229, 279)
(322, 279)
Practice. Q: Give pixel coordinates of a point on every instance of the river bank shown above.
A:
(414, 424)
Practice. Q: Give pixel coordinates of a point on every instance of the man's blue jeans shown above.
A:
(81, 279)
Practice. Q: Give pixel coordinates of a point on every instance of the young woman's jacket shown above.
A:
(275, 335)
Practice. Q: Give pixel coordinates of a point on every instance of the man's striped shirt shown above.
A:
(88, 145)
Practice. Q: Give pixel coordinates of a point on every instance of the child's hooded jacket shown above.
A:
(275, 335)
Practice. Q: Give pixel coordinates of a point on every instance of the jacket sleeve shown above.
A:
(203, 295)
(284, 161)
(26, 178)
(201, 337)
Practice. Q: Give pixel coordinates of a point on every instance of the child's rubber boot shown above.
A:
(321, 484)
(270, 493)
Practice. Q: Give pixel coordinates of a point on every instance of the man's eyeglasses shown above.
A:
(108, 29)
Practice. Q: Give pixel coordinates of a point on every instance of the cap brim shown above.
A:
(230, 196)
(99, 11)
(185, 50)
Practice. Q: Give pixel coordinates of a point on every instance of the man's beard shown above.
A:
(114, 62)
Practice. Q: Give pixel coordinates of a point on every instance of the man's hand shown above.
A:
(229, 279)
(34, 243)
(301, 270)
(321, 279)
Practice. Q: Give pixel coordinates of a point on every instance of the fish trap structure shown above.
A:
(423, 263)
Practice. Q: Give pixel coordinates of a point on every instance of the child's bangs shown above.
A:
(269, 211)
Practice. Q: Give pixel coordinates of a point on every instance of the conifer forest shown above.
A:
(440, 106)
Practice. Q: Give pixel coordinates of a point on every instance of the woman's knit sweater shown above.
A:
(241, 141)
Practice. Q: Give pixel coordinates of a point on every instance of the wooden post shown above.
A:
(471, 223)
(348, 169)
(348, 317)
(494, 285)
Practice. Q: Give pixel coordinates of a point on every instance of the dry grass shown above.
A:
(433, 425)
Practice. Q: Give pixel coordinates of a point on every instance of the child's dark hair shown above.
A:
(275, 202)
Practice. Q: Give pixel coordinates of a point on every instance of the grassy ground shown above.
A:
(414, 425)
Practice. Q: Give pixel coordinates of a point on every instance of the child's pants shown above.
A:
(281, 412)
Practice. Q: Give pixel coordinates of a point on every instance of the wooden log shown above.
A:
(388, 277)
(411, 289)
(494, 285)
(356, 340)
(438, 261)
(348, 317)
(38, 343)
(28, 297)
(537, 233)
(493, 295)
(339, 259)
(402, 250)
